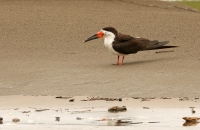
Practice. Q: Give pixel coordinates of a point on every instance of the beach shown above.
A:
(42, 55)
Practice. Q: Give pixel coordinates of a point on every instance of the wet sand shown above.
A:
(49, 112)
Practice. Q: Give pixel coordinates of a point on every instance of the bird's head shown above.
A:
(105, 32)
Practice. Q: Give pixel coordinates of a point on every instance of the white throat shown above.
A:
(108, 40)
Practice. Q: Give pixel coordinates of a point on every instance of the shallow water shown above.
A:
(170, 118)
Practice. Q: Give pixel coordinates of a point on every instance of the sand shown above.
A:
(42, 53)
(42, 49)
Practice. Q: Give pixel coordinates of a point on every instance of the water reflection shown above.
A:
(190, 123)
(117, 123)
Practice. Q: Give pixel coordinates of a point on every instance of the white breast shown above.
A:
(108, 40)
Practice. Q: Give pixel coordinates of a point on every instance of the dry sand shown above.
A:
(42, 49)
(42, 53)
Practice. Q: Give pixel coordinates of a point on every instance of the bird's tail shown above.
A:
(158, 45)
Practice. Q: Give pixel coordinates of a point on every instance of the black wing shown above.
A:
(126, 44)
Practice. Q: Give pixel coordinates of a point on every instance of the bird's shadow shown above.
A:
(145, 61)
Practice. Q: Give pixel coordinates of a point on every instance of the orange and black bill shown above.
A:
(100, 34)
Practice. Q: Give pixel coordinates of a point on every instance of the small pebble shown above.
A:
(1, 120)
(191, 119)
(58, 119)
(71, 100)
(117, 109)
(16, 120)
(79, 118)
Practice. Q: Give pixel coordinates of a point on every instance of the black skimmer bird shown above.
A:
(121, 45)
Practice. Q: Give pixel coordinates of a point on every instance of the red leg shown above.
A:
(122, 60)
(117, 63)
